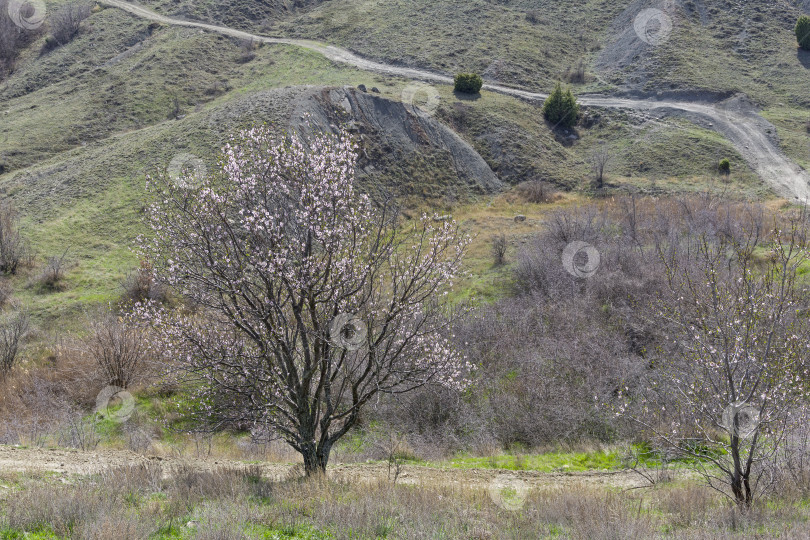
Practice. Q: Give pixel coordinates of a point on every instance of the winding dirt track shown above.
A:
(745, 129)
(73, 462)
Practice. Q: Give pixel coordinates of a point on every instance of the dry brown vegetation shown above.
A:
(142, 501)
(551, 356)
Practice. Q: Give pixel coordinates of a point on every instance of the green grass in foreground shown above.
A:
(590, 461)
(550, 462)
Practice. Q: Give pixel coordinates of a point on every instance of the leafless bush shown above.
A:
(176, 108)
(12, 245)
(118, 348)
(12, 332)
(499, 247)
(688, 504)
(576, 74)
(395, 449)
(60, 509)
(247, 48)
(638, 457)
(537, 192)
(53, 274)
(791, 470)
(542, 363)
(81, 433)
(66, 22)
(137, 439)
(534, 16)
(141, 285)
(6, 293)
(37, 403)
(600, 157)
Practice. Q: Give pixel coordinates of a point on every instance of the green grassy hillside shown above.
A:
(82, 125)
(715, 45)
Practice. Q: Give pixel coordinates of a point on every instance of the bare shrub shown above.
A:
(688, 504)
(791, 469)
(499, 247)
(176, 108)
(118, 347)
(12, 332)
(137, 439)
(66, 22)
(638, 458)
(141, 286)
(58, 509)
(12, 245)
(395, 450)
(600, 157)
(38, 402)
(576, 74)
(247, 50)
(53, 274)
(542, 362)
(546, 353)
(537, 192)
(81, 433)
(6, 292)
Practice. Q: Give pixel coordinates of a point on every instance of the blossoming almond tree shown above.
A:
(738, 373)
(308, 299)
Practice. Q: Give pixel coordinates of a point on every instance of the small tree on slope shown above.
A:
(739, 377)
(310, 301)
(561, 107)
(803, 32)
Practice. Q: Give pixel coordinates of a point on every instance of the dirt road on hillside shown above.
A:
(73, 462)
(745, 129)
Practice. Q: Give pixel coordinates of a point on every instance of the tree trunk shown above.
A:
(740, 485)
(741, 488)
(315, 459)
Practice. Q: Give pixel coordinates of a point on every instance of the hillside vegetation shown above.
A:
(83, 125)
(156, 286)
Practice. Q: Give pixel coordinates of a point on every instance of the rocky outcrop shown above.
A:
(403, 148)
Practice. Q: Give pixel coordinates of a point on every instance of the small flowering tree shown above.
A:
(727, 393)
(308, 299)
